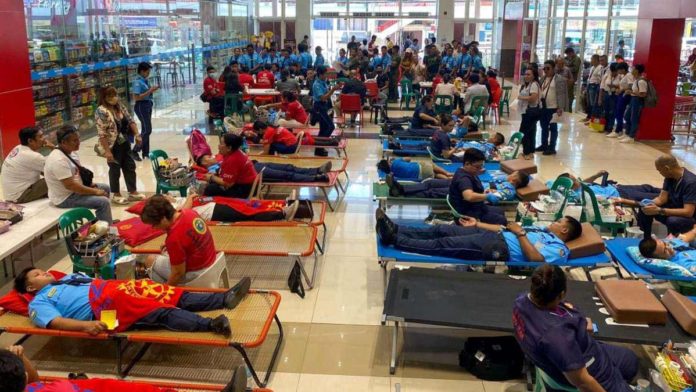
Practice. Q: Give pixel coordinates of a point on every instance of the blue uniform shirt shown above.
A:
(486, 148)
(319, 61)
(604, 191)
(405, 170)
(464, 61)
(305, 60)
(319, 89)
(343, 60)
(250, 61)
(477, 62)
(551, 247)
(506, 190)
(557, 341)
(686, 258)
(140, 86)
(65, 300)
(234, 58)
(449, 62)
(284, 62)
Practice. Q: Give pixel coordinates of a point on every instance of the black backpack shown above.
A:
(492, 358)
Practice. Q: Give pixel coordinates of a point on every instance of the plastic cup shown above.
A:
(642, 385)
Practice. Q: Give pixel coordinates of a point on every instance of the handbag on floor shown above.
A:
(492, 358)
(295, 281)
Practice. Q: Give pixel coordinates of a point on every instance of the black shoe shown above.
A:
(386, 229)
(135, 156)
(320, 152)
(325, 168)
(221, 325)
(550, 152)
(383, 166)
(395, 189)
(234, 295)
(238, 383)
(541, 149)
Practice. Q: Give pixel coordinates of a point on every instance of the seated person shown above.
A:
(225, 209)
(557, 338)
(294, 115)
(23, 167)
(214, 93)
(502, 189)
(424, 116)
(407, 169)
(475, 240)
(75, 303)
(189, 244)
(440, 142)
(675, 206)
(489, 147)
(236, 175)
(629, 195)
(66, 187)
(18, 374)
(474, 90)
(467, 194)
(465, 126)
(679, 250)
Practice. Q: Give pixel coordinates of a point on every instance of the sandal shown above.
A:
(136, 197)
(119, 200)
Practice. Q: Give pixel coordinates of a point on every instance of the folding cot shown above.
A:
(586, 252)
(291, 240)
(485, 302)
(617, 248)
(340, 147)
(178, 386)
(251, 321)
(339, 167)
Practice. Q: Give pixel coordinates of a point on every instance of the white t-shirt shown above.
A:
(640, 86)
(20, 170)
(522, 105)
(595, 75)
(445, 89)
(205, 211)
(610, 83)
(626, 81)
(59, 167)
(548, 92)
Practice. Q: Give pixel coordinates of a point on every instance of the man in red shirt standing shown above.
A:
(189, 244)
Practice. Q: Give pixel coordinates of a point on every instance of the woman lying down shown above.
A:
(226, 209)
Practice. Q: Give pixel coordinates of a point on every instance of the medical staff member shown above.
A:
(237, 173)
(142, 96)
(467, 194)
(189, 243)
(558, 338)
(321, 95)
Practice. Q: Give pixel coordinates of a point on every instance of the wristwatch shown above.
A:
(521, 233)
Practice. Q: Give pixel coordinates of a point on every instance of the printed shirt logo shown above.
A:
(52, 292)
(126, 227)
(199, 226)
(33, 315)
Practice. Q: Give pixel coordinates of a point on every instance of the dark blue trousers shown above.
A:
(143, 109)
(621, 104)
(638, 192)
(279, 172)
(467, 243)
(436, 188)
(609, 108)
(182, 317)
(549, 130)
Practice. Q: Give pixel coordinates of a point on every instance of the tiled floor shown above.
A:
(334, 339)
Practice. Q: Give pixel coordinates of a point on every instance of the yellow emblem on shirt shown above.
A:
(52, 292)
(200, 226)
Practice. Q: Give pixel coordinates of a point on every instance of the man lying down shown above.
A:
(680, 250)
(474, 240)
(76, 302)
(227, 209)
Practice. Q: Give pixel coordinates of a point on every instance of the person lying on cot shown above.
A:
(500, 189)
(18, 374)
(407, 169)
(679, 249)
(283, 141)
(189, 245)
(630, 195)
(488, 147)
(557, 338)
(465, 126)
(478, 241)
(226, 209)
(76, 303)
(467, 195)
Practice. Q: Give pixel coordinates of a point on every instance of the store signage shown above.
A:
(139, 22)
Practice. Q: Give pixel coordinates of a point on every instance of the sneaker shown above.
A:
(235, 295)
(135, 156)
(386, 229)
(221, 325)
(290, 210)
(627, 140)
(622, 137)
(291, 197)
(136, 197)
(325, 168)
(615, 135)
(395, 189)
(118, 199)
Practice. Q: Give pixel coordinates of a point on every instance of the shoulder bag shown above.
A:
(86, 175)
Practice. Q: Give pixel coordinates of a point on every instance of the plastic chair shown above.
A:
(234, 105)
(162, 185)
(544, 381)
(70, 221)
(504, 105)
(436, 158)
(454, 212)
(477, 116)
(564, 186)
(595, 218)
(477, 103)
(213, 275)
(407, 93)
(443, 104)
(350, 104)
(516, 140)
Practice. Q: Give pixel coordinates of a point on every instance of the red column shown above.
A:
(16, 94)
(658, 43)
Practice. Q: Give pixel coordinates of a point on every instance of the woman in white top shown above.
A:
(528, 107)
(639, 90)
(446, 88)
(623, 98)
(593, 82)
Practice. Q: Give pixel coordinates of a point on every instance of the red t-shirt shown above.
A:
(237, 168)
(295, 111)
(279, 135)
(189, 242)
(210, 84)
(245, 78)
(265, 79)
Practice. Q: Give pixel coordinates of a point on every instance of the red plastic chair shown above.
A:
(493, 107)
(350, 103)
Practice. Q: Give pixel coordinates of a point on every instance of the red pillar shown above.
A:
(658, 43)
(16, 94)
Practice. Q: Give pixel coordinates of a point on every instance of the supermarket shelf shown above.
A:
(51, 112)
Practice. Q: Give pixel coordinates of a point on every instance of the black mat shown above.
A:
(484, 301)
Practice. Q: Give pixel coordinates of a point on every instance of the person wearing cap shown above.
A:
(142, 95)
